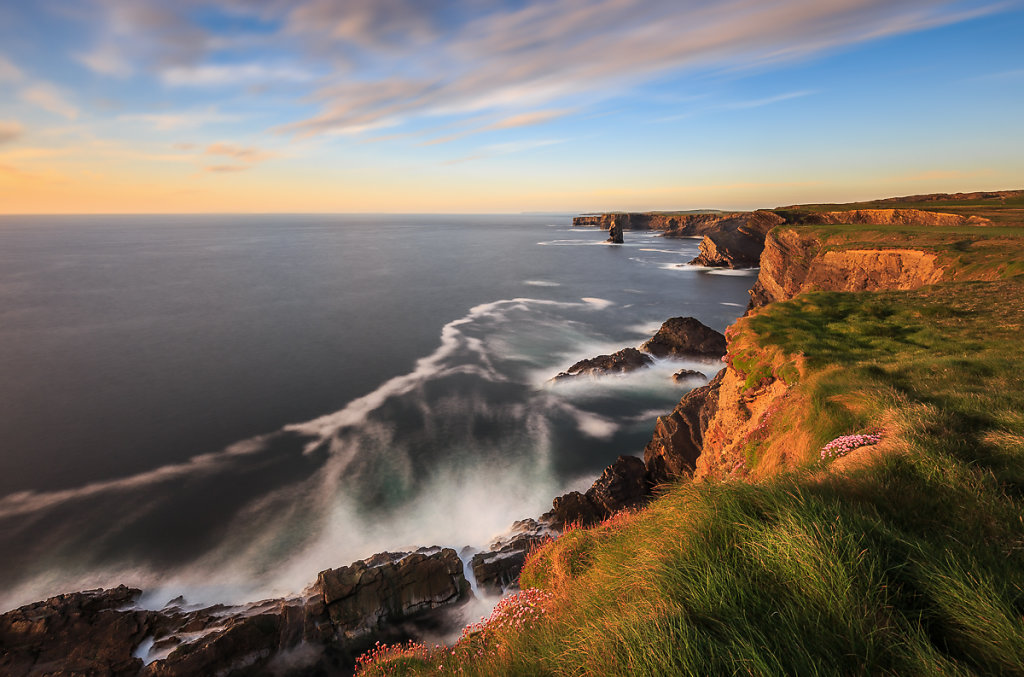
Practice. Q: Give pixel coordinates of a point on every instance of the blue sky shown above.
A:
(489, 105)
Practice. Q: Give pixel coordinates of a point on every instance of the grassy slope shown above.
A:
(906, 558)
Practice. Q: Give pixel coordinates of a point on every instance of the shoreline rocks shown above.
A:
(388, 597)
(677, 337)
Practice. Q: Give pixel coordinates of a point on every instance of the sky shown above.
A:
(185, 106)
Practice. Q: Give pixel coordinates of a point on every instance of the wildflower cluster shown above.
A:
(511, 613)
(841, 446)
(760, 431)
(386, 659)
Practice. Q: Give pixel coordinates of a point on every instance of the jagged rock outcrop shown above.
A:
(794, 262)
(620, 362)
(85, 633)
(737, 241)
(679, 437)
(99, 632)
(366, 596)
(615, 232)
(624, 484)
(497, 569)
(685, 336)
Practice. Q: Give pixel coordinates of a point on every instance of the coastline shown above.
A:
(700, 438)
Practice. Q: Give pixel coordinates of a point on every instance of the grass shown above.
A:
(908, 563)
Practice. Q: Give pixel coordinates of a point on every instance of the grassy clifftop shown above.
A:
(902, 557)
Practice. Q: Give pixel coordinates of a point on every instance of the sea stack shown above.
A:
(615, 232)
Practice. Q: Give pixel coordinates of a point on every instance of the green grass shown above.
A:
(911, 564)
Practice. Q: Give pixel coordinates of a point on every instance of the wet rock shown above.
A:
(362, 598)
(685, 336)
(497, 569)
(615, 232)
(679, 437)
(623, 361)
(391, 597)
(81, 633)
(687, 374)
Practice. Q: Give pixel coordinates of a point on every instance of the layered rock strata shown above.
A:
(103, 632)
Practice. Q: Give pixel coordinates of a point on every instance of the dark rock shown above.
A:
(623, 361)
(362, 598)
(498, 569)
(81, 633)
(686, 374)
(679, 437)
(571, 508)
(622, 485)
(391, 597)
(681, 336)
(615, 233)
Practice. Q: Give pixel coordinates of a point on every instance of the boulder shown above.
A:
(687, 374)
(685, 336)
(623, 361)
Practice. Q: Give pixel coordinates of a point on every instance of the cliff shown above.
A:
(731, 239)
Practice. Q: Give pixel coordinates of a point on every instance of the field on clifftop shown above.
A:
(904, 557)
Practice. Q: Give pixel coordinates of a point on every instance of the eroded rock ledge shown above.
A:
(390, 596)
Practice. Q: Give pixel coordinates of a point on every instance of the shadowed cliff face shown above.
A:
(731, 240)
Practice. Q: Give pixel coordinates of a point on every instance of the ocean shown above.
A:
(223, 406)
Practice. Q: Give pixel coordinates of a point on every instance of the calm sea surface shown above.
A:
(225, 405)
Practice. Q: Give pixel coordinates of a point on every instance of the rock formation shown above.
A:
(732, 239)
(794, 262)
(679, 437)
(615, 232)
(498, 568)
(686, 374)
(624, 484)
(685, 336)
(677, 337)
(623, 361)
(99, 632)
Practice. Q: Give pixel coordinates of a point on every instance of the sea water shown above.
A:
(222, 406)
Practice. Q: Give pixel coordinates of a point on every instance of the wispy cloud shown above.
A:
(767, 101)
(511, 122)
(243, 157)
(235, 74)
(106, 59)
(49, 98)
(10, 130)
(537, 53)
(194, 119)
(506, 148)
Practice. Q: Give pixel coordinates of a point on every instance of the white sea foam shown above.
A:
(542, 283)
